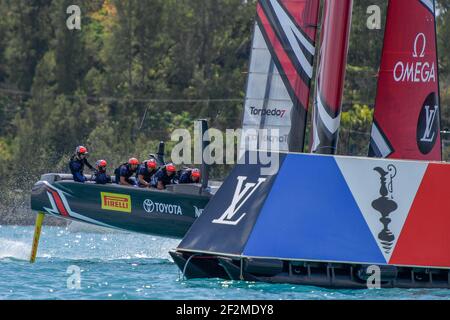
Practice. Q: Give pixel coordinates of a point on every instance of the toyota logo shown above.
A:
(148, 205)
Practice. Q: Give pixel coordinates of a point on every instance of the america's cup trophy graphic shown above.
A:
(385, 205)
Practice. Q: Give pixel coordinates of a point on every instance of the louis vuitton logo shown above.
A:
(241, 195)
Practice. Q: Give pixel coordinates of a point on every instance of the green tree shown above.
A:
(355, 130)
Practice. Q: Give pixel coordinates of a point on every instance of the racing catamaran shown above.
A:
(281, 69)
(167, 213)
(338, 221)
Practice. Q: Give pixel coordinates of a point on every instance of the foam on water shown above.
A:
(14, 249)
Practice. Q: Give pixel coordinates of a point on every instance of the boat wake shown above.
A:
(16, 250)
(74, 245)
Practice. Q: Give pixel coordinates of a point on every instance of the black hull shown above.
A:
(148, 211)
(320, 274)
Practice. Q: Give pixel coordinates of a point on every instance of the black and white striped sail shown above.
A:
(281, 69)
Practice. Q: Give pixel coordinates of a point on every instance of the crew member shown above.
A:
(125, 171)
(77, 163)
(164, 176)
(189, 176)
(100, 175)
(145, 173)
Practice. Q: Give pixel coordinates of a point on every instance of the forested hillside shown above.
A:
(138, 69)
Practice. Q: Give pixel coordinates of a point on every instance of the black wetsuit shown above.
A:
(124, 170)
(161, 175)
(76, 166)
(147, 175)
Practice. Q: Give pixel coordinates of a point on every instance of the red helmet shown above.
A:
(133, 161)
(170, 167)
(81, 150)
(101, 164)
(195, 173)
(151, 164)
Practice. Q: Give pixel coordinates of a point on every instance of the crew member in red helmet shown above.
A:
(125, 171)
(189, 175)
(164, 176)
(100, 176)
(77, 163)
(145, 173)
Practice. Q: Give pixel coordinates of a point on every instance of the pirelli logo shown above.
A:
(116, 202)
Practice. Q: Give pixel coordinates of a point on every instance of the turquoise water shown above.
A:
(129, 266)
